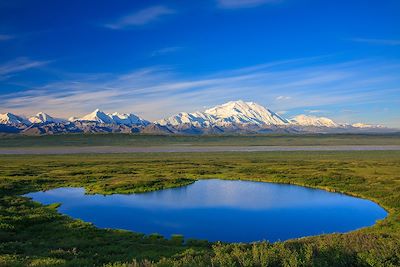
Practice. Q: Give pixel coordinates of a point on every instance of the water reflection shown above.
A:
(236, 211)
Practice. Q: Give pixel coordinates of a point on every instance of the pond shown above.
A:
(224, 210)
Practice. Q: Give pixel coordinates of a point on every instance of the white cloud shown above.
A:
(349, 111)
(377, 41)
(141, 17)
(161, 91)
(19, 65)
(231, 4)
(313, 111)
(283, 98)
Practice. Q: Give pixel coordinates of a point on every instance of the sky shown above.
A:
(339, 59)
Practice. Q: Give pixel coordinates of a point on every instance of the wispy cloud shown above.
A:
(166, 50)
(349, 111)
(141, 17)
(283, 98)
(157, 92)
(19, 65)
(316, 111)
(377, 41)
(231, 4)
(6, 37)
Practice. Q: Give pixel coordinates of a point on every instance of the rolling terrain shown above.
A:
(36, 235)
(148, 140)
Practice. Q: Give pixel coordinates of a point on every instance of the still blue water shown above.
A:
(234, 211)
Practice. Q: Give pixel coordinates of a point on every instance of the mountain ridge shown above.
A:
(228, 114)
(231, 117)
(112, 118)
(41, 118)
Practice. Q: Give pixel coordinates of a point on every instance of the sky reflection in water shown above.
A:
(232, 211)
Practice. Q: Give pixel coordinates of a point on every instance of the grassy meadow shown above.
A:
(139, 140)
(35, 235)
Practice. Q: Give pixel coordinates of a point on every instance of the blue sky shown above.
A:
(339, 59)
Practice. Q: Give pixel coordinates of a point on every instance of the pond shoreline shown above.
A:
(351, 173)
(266, 211)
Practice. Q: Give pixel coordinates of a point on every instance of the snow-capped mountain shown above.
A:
(228, 114)
(12, 119)
(96, 116)
(127, 119)
(99, 116)
(245, 112)
(304, 120)
(42, 117)
(197, 119)
(232, 117)
(250, 117)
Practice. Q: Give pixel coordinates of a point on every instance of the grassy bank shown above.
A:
(206, 140)
(36, 235)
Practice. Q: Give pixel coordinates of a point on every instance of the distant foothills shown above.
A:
(236, 117)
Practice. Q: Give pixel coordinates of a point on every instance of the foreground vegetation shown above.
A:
(198, 140)
(36, 235)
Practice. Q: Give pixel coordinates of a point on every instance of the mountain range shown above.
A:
(111, 118)
(232, 117)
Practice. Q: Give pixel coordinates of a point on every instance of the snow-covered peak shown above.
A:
(111, 118)
(127, 119)
(197, 119)
(305, 120)
(9, 118)
(42, 117)
(231, 116)
(246, 112)
(231, 113)
(97, 116)
(73, 118)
